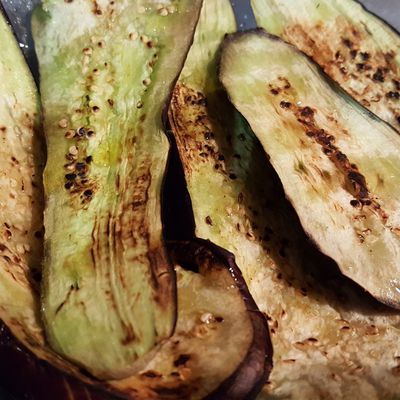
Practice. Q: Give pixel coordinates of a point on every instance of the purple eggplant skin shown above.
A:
(28, 378)
(252, 374)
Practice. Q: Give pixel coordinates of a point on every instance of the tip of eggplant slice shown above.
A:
(252, 374)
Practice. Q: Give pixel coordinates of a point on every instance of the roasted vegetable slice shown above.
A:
(355, 48)
(330, 339)
(339, 166)
(106, 73)
(21, 195)
(218, 321)
(21, 213)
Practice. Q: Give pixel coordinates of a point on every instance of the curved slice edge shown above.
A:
(252, 373)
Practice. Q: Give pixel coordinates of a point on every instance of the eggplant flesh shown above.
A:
(106, 71)
(218, 320)
(21, 197)
(331, 340)
(339, 165)
(354, 47)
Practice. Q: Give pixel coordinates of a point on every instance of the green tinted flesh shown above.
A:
(106, 72)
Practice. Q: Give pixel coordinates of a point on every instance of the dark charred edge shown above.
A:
(233, 37)
(24, 375)
(377, 17)
(164, 114)
(253, 372)
(248, 380)
(18, 29)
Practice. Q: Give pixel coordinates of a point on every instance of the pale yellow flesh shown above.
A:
(21, 196)
(110, 70)
(347, 41)
(215, 349)
(363, 241)
(330, 340)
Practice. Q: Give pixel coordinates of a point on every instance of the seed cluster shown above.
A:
(78, 165)
(377, 71)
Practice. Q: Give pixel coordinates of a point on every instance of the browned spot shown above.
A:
(396, 370)
(182, 360)
(356, 183)
(151, 374)
(343, 50)
(193, 128)
(289, 361)
(130, 335)
(96, 8)
(70, 291)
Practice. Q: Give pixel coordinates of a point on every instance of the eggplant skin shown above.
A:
(252, 374)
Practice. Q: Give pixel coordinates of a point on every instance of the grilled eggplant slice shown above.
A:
(330, 339)
(355, 48)
(218, 321)
(338, 164)
(222, 311)
(21, 217)
(107, 69)
(21, 196)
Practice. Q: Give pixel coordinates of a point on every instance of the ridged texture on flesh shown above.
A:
(107, 69)
(21, 213)
(330, 339)
(355, 48)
